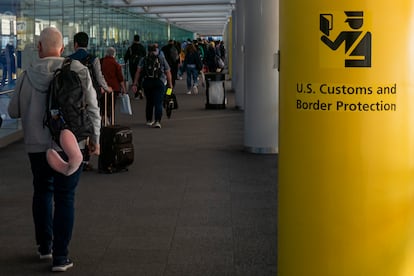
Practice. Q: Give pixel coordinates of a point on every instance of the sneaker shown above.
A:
(156, 125)
(195, 89)
(47, 256)
(149, 123)
(62, 267)
(189, 92)
(44, 253)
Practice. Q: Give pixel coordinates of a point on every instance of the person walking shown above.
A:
(133, 55)
(172, 56)
(192, 65)
(11, 62)
(54, 193)
(156, 73)
(210, 57)
(80, 44)
(112, 72)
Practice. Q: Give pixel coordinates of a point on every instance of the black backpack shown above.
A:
(66, 107)
(134, 58)
(173, 54)
(152, 66)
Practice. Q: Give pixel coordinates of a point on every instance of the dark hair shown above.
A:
(191, 48)
(152, 48)
(82, 39)
(136, 37)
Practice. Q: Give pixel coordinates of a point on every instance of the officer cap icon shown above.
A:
(355, 19)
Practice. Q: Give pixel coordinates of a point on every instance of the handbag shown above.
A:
(170, 103)
(219, 62)
(125, 104)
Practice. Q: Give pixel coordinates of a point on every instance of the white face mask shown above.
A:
(157, 51)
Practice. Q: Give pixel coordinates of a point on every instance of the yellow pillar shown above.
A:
(346, 145)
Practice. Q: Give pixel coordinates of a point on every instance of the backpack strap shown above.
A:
(66, 63)
(88, 60)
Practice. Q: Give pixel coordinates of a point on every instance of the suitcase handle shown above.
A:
(112, 109)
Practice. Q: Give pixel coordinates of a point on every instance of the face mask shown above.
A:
(157, 51)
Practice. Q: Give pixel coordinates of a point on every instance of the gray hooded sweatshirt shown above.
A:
(29, 102)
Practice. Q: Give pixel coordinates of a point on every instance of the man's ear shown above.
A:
(62, 49)
(40, 49)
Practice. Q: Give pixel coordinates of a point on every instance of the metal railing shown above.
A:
(11, 129)
(8, 123)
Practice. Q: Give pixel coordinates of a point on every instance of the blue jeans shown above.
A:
(154, 90)
(53, 230)
(192, 75)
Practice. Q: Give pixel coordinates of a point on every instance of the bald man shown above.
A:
(53, 226)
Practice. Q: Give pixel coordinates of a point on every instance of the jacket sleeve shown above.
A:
(98, 74)
(165, 64)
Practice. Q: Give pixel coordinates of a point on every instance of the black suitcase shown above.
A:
(117, 150)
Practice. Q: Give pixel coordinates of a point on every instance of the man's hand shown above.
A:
(94, 149)
(110, 90)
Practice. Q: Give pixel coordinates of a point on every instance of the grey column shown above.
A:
(261, 76)
(238, 54)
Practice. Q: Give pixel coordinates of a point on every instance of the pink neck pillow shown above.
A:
(70, 146)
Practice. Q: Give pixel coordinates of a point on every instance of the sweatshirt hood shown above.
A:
(41, 71)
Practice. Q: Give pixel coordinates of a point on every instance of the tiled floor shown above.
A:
(193, 203)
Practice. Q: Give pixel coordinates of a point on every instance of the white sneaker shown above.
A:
(47, 256)
(149, 123)
(195, 89)
(62, 267)
(156, 124)
(189, 92)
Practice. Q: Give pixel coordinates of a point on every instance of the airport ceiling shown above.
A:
(205, 17)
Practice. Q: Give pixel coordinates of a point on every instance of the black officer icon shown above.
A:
(357, 42)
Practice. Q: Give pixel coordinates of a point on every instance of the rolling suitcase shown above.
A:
(117, 150)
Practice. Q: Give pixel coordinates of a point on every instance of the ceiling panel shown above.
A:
(205, 17)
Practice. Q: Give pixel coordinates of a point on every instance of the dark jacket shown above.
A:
(210, 59)
(81, 54)
(135, 49)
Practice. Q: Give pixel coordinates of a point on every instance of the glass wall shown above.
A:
(106, 26)
(23, 20)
